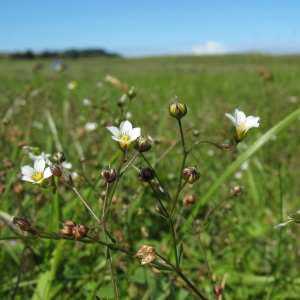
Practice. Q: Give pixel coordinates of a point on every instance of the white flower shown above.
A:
(125, 134)
(242, 124)
(86, 102)
(43, 156)
(72, 85)
(37, 174)
(90, 126)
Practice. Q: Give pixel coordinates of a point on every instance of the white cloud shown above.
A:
(210, 47)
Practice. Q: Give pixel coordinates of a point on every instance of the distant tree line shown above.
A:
(72, 53)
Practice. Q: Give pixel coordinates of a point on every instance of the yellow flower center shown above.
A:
(125, 137)
(242, 125)
(37, 176)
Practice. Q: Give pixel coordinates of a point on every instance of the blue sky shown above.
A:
(146, 28)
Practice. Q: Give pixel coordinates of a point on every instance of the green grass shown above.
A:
(238, 240)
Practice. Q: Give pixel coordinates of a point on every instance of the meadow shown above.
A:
(223, 244)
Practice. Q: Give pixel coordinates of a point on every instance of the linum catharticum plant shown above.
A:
(48, 173)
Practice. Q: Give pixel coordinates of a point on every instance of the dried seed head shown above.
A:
(68, 228)
(237, 191)
(146, 174)
(190, 174)
(109, 174)
(188, 200)
(80, 231)
(147, 254)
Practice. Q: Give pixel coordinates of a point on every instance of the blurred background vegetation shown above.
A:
(239, 239)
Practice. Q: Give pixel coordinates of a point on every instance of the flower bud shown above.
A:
(239, 135)
(146, 174)
(22, 223)
(5, 121)
(121, 101)
(59, 157)
(109, 175)
(143, 143)
(55, 170)
(190, 174)
(131, 92)
(177, 110)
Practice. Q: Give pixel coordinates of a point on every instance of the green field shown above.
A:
(222, 242)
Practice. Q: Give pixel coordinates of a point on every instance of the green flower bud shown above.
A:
(143, 143)
(177, 110)
(131, 93)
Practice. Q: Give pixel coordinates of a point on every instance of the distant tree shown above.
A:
(71, 53)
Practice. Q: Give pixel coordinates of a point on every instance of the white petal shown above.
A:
(240, 117)
(232, 119)
(47, 173)
(115, 138)
(39, 165)
(136, 132)
(27, 171)
(252, 122)
(27, 178)
(114, 130)
(125, 128)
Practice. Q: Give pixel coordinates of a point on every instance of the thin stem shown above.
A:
(125, 168)
(159, 181)
(86, 205)
(169, 218)
(185, 154)
(160, 202)
(197, 233)
(108, 257)
(225, 147)
(182, 276)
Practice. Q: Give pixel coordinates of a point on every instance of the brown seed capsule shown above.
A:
(109, 174)
(190, 174)
(80, 231)
(188, 200)
(146, 174)
(237, 191)
(146, 253)
(68, 228)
